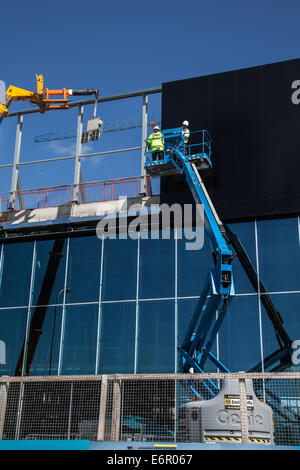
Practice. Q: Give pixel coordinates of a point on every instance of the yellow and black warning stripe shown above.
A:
(222, 438)
(264, 441)
(236, 439)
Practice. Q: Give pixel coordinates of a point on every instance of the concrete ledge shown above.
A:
(72, 212)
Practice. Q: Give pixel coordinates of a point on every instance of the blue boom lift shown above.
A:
(218, 290)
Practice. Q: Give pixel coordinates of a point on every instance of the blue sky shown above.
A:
(121, 47)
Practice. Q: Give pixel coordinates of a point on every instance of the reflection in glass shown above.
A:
(186, 309)
(45, 359)
(117, 343)
(239, 336)
(246, 233)
(49, 271)
(156, 346)
(16, 274)
(119, 269)
(279, 254)
(13, 330)
(193, 267)
(157, 267)
(84, 269)
(288, 306)
(80, 338)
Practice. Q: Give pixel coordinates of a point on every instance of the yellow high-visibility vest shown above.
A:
(186, 133)
(156, 141)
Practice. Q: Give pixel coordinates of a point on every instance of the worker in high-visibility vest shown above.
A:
(186, 133)
(155, 143)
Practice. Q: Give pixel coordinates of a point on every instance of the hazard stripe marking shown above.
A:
(237, 439)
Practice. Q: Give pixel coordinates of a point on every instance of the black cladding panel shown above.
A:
(255, 127)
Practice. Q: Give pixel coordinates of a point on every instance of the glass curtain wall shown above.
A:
(86, 306)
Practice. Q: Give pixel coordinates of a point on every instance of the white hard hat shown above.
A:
(156, 128)
(185, 123)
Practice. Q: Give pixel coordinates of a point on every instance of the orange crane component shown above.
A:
(42, 98)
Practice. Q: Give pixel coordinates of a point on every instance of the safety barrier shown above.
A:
(198, 142)
(3, 203)
(158, 408)
(95, 191)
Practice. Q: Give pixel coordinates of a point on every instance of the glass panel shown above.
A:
(279, 254)
(117, 338)
(186, 309)
(200, 262)
(156, 347)
(246, 233)
(16, 274)
(239, 334)
(119, 269)
(288, 306)
(157, 267)
(193, 267)
(84, 269)
(49, 272)
(45, 360)
(13, 329)
(80, 338)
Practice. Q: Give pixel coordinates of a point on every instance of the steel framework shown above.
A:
(15, 186)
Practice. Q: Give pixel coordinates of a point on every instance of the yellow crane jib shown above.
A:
(43, 98)
(14, 93)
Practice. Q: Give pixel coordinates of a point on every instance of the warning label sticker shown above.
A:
(232, 402)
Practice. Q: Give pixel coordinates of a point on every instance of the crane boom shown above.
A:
(43, 98)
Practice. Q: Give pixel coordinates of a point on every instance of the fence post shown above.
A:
(243, 411)
(3, 402)
(76, 182)
(142, 188)
(15, 169)
(70, 410)
(116, 411)
(102, 409)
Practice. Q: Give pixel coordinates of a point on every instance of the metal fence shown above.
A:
(159, 408)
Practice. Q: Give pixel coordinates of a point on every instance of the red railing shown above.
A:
(95, 191)
(4, 203)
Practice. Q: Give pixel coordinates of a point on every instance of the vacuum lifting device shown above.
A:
(197, 420)
(44, 99)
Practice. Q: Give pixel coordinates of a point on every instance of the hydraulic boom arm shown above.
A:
(219, 287)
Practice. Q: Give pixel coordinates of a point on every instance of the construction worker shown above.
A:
(155, 143)
(185, 131)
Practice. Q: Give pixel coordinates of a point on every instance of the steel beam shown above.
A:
(77, 169)
(104, 99)
(15, 165)
(144, 137)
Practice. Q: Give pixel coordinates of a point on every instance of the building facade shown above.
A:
(123, 305)
(74, 303)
